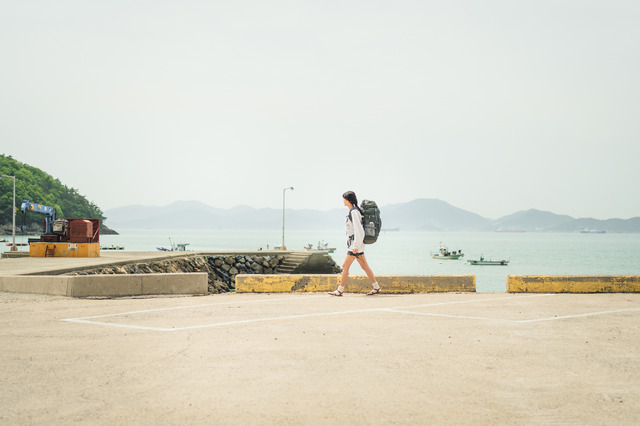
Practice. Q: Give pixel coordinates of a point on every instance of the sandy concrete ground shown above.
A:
(316, 359)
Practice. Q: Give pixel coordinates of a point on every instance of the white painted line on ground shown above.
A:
(587, 314)
(430, 314)
(115, 324)
(474, 301)
(88, 319)
(185, 307)
(219, 324)
(563, 317)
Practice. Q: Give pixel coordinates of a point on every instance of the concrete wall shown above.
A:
(52, 285)
(356, 284)
(573, 284)
(106, 285)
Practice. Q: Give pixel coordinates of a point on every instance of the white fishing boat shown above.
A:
(174, 247)
(322, 247)
(444, 254)
(484, 261)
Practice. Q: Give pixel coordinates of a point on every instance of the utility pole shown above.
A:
(282, 247)
(13, 208)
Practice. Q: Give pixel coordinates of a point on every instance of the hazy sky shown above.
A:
(492, 106)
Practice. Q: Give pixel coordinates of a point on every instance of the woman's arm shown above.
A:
(358, 231)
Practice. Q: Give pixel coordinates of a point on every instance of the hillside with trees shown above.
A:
(40, 187)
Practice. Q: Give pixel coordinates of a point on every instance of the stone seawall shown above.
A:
(221, 269)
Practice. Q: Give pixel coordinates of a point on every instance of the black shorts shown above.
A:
(350, 253)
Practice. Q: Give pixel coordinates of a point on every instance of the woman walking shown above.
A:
(355, 245)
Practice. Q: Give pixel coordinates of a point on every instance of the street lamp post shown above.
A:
(13, 229)
(282, 247)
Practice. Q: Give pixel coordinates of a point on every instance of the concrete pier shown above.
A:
(47, 276)
(55, 275)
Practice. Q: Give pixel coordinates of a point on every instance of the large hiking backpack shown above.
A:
(370, 221)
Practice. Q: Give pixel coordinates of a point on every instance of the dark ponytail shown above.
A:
(350, 196)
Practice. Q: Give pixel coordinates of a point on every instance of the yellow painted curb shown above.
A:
(355, 284)
(573, 283)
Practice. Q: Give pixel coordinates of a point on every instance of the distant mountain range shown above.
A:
(417, 215)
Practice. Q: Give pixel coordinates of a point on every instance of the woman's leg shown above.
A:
(345, 269)
(366, 268)
(345, 275)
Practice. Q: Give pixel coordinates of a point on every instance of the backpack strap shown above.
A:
(349, 215)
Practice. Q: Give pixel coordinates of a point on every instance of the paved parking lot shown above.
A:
(314, 359)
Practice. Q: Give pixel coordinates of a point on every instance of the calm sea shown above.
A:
(408, 253)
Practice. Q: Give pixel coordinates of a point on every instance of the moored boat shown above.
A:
(322, 246)
(484, 261)
(445, 254)
(174, 247)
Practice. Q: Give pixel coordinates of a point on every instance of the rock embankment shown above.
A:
(222, 269)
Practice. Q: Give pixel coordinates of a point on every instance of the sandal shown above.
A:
(335, 293)
(374, 291)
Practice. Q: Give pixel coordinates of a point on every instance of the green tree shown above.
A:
(40, 187)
